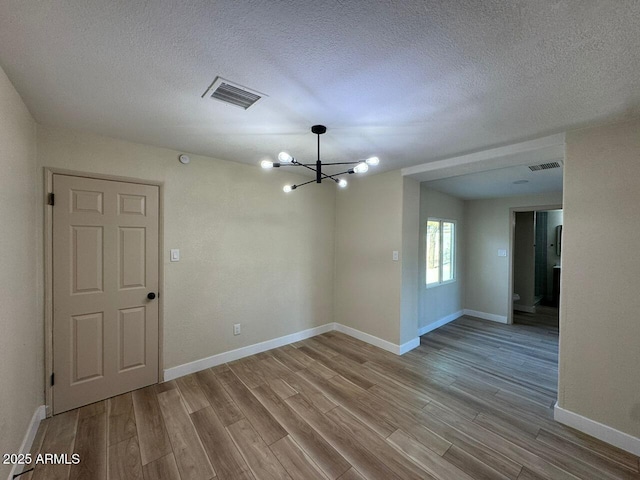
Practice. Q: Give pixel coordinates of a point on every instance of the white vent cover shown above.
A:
(232, 93)
(544, 166)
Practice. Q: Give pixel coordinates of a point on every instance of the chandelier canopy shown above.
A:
(286, 160)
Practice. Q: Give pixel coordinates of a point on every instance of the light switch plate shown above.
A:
(175, 255)
(502, 252)
(396, 255)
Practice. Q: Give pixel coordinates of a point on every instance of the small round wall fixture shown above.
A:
(184, 159)
(286, 160)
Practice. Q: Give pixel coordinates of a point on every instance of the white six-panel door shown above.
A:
(105, 265)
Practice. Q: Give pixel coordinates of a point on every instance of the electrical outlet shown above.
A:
(236, 329)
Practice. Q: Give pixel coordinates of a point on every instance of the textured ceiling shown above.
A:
(410, 81)
(500, 183)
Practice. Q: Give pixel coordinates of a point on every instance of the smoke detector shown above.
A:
(233, 93)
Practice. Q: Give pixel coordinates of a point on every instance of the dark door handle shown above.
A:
(151, 296)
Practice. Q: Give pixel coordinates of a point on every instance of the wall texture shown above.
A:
(21, 341)
(600, 323)
(250, 253)
(410, 259)
(445, 300)
(487, 230)
(368, 229)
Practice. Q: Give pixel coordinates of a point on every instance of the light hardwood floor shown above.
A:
(474, 401)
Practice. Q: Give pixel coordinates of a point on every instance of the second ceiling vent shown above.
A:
(232, 93)
(544, 166)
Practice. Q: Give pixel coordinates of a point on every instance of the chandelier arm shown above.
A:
(304, 165)
(305, 183)
(324, 175)
(341, 173)
(342, 163)
(323, 164)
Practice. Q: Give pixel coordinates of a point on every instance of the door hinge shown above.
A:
(51, 200)
(53, 379)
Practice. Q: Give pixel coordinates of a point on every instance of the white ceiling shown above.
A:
(411, 81)
(499, 183)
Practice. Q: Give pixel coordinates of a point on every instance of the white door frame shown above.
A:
(49, 172)
(512, 232)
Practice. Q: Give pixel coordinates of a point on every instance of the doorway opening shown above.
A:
(536, 239)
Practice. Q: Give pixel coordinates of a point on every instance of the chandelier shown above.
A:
(286, 160)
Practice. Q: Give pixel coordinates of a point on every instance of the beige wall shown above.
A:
(439, 302)
(410, 259)
(524, 259)
(600, 305)
(367, 280)
(487, 230)
(21, 338)
(250, 253)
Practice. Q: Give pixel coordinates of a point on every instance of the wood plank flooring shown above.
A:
(474, 401)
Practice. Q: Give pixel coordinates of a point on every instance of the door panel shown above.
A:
(87, 341)
(105, 261)
(87, 259)
(132, 257)
(132, 346)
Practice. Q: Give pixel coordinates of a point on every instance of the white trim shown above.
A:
(408, 346)
(497, 157)
(439, 323)
(378, 342)
(29, 436)
(524, 308)
(595, 429)
(486, 316)
(230, 356)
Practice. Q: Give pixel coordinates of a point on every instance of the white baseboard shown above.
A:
(439, 323)
(595, 429)
(408, 346)
(524, 308)
(230, 356)
(486, 316)
(30, 435)
(378, 342)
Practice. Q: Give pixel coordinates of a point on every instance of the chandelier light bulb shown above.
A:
(372, 161)
(362, 167)
(266, 164)
(286, 188)
(284, 157)
(342, 183)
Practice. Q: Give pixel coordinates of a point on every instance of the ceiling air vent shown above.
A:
(544, 166)
(232, 93)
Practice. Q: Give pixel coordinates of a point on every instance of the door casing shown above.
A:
(49, 172)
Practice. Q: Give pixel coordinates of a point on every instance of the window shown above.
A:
(441, 245)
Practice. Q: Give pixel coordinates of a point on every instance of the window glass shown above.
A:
(441, 244)
(447, 251)
(433, 252)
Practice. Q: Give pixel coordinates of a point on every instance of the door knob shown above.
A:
(151, 296)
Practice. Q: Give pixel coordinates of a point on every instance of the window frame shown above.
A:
(454, 252)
